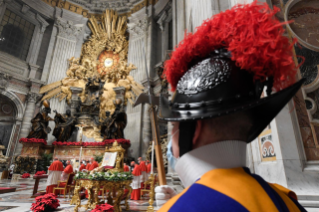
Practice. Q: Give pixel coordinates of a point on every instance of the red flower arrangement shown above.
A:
(103, 143)
(103, 208)
(47, 202)
(32, 140)
(40, 173)
(25, 175)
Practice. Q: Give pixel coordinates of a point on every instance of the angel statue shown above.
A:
(64, 126)
(39, 127)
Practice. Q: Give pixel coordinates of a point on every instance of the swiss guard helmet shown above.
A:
(224, 67)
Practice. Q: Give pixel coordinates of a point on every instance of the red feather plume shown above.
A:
(252, 34)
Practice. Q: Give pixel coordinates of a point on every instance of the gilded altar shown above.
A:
(114, 191)
(111, 180)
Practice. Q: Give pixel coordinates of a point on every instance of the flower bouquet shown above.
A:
(25, 175)
(114, 177)
(40, 173)
(103, 143)
(103, 208)
(47, 202)
(33, 140)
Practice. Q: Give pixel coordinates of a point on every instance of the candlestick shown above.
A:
(80, 157)
(152, 157)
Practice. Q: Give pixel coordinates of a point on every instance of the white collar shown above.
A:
(224, 154)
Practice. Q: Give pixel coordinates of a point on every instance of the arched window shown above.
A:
(15, 35)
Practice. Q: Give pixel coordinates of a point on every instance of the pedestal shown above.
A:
(34, 150)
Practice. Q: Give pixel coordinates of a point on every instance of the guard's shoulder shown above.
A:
(167, 206)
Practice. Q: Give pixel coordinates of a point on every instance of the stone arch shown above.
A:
(19, 107)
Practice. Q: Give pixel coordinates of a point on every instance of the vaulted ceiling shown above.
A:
(101, 5)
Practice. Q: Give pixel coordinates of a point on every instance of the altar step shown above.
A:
(309, 201)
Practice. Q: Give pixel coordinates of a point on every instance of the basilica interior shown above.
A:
(80, 81)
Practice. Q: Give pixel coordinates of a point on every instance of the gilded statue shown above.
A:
(76, 70)
(104, 57)
(40, 123)
(64, 126)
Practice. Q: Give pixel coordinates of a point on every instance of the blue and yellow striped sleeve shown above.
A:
(232, 190)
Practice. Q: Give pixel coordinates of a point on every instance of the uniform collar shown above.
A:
(220, 155)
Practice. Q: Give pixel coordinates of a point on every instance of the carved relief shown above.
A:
(67, 29)
(25, 9)
(4, 80)
(32, 97)
(138, 28)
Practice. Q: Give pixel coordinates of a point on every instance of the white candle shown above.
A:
(152, 157)
(80, 157)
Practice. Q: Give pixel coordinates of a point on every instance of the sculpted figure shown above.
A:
(105, 128)
(118, 122)
(64, 126)
(39, 127)
(73, 66)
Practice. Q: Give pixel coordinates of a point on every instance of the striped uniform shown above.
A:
(233, 189)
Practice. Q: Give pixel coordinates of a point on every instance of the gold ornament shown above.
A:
(94, 186)
(108, 43)
(114, 190)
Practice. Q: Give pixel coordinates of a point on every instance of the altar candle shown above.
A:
(152, 157)
(80, 157)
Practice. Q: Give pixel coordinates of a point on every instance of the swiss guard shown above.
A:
(218, 74)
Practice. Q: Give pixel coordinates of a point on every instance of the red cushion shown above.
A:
(71, 178)
(62, 185)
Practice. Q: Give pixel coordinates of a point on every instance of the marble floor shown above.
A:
(20, 201)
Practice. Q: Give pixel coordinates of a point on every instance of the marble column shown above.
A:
(64, 48)
(35, 46)
(26, 121)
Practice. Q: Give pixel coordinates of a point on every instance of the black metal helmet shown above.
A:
(216, 81)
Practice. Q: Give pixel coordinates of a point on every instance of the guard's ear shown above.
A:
(198, 130)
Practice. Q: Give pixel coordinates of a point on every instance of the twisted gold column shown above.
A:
(150, 208)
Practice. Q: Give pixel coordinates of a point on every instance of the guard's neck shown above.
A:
(220, 155)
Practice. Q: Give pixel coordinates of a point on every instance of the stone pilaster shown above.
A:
(147, 125)
(4, 81)
(135, 121)
(26, 121)
(64, 49)
(36, 44)
(163, 23)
